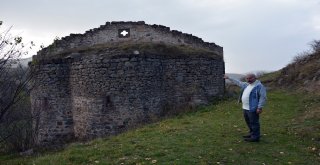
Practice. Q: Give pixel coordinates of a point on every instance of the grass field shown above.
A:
(290, 125)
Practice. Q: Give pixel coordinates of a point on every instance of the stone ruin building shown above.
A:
(118, 76)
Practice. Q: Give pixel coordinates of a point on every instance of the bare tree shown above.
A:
(315, 45)
(14, 80)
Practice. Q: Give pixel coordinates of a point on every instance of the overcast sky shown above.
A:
(257, 35)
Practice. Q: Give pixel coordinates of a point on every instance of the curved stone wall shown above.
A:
(98, 92)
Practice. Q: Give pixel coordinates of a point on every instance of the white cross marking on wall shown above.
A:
(124, 33)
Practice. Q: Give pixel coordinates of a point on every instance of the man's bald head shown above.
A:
(251, 78)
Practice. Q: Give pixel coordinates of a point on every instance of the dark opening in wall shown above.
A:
(108, 102)
(45, 103)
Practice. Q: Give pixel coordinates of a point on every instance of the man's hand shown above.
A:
(259, 110)
(225, 77)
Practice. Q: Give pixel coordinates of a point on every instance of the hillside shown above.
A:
(212, 135)
(290, 127)
(23, 62)
(234, 75)
(303, 73)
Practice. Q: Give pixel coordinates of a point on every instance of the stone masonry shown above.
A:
(118, 76)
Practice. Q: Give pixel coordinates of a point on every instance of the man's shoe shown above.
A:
(251, 140)
(247, 136)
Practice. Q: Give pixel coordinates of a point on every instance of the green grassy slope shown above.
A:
(212, 135)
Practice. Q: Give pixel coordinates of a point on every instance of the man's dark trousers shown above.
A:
(252, 120)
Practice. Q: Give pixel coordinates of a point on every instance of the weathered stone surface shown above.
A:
(102, 91)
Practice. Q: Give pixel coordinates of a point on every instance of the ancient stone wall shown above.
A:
(99, 92)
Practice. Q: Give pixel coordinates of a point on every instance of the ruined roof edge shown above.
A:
(67, 39)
